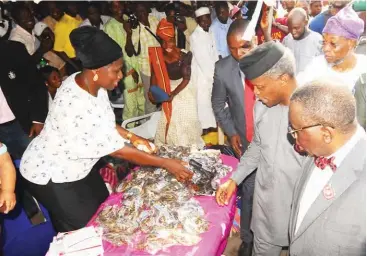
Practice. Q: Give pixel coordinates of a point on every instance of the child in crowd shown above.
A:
(53, 81)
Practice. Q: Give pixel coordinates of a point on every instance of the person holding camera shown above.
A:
(141, 34)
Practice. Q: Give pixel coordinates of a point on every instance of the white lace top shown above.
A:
(78, 131)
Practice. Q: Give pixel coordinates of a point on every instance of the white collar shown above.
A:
(342, 152)
(23, 31)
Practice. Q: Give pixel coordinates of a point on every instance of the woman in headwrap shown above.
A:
(80, 129)
(171, 71)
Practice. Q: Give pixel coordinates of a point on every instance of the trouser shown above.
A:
(14, 137)
(134, 102)
(71, 204)
(248, 187)
(149, 107)
(262, 248)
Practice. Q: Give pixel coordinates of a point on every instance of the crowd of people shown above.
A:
(290, 99)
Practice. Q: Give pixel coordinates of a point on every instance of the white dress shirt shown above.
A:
(30, 41)
(319, 178)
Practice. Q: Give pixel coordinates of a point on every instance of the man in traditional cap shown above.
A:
(233, 104)
(205, 55)
(304, 43)
(341, 35)
(328, 214)
(271, 69)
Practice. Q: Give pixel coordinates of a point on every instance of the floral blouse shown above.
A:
(78, 131)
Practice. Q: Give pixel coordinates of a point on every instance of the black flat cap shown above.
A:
(261, 59)
(94, 48)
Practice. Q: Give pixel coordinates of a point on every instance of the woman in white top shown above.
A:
(80, 129)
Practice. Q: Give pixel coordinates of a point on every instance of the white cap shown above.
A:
(39, 27)
(202, 11)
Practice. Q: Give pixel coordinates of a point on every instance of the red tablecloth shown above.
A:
(213, 241)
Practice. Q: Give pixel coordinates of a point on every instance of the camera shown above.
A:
(132, 19)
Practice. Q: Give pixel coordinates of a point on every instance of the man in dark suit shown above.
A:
(228, 102)
(24, 97)
(328, 214)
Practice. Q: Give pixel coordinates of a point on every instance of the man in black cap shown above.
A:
(271, 69)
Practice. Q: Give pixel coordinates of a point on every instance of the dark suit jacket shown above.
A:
(228, 88)
(22, 84)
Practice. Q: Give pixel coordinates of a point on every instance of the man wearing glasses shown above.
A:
(328, 215)
(271, 69)
(318, 23)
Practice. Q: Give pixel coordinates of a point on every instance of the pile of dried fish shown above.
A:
(156, 210)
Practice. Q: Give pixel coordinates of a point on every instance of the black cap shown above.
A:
(259, 60)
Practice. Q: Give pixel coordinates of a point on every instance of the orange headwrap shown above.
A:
(165, 30)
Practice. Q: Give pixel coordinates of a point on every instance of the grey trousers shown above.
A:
(149, 107)
(262, 248)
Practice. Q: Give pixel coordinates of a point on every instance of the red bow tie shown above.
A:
(321, 162)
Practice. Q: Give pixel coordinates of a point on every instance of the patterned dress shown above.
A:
(184, 128)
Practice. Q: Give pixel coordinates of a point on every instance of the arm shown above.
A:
(133, 155)
(219, 100)
(250, 159)
(7, 180)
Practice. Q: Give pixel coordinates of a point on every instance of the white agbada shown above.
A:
(319, 67)
(205, 55)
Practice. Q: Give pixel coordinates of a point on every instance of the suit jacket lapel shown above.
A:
(341, 180)
(298, 193)
(236, 82)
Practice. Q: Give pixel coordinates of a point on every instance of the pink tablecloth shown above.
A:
(213, 241)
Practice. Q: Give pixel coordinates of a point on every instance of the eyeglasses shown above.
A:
(293, 132)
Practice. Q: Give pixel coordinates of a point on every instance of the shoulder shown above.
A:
(152, 19)
(225, 63)
(287, 38)
(316, 36)
(259, 110)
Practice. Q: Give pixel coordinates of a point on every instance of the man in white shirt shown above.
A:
(220, 28)
(23, 31)
(328, 214)
(205, 55)
(304, 43)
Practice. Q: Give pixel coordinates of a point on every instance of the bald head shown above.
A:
(327, 102)
(237, 46)
(297, 23)
(297, 14)
(237, 27)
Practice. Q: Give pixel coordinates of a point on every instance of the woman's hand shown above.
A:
(143, 144)
(178, 169)
(7, 201)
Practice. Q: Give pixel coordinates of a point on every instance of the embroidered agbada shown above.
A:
(158, 65)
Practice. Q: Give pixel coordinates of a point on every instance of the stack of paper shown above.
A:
(82, 242)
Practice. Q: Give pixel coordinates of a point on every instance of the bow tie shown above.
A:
(321, 162)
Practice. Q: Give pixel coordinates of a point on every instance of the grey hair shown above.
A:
(327, 102)
(285, 65)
